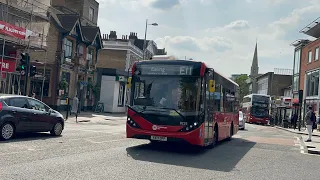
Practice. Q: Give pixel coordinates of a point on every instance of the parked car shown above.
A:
(26, 114)
(242, 122)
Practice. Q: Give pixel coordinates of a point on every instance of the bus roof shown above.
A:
(186, 62)
(250, 95)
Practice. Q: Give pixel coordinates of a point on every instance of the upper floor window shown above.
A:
(89, 54)
(309, 56)
(80, 50)
(91, 14)
(316, 54)
(297, 56)
(312, 84)
(67, 47)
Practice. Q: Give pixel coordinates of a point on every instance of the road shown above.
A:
(90, 150)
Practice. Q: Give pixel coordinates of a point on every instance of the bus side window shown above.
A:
(217, 98)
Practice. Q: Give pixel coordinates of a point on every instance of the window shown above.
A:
(18, 102)
(316, 54)
(297, 57)
(67, 47)
(295, 83)
(263, 86)
(309, 56)
(80, 50)
(37, 82)
(121, 94)
(66, 76)
(312, 84)
(91, 14)
(37, 105)
(89, 54)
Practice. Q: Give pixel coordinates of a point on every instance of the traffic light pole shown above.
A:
(27, 75)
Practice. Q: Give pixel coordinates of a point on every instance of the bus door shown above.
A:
(208, 102)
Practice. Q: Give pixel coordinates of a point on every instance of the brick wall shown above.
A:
(52, 44)
(279, 83)
(305, 65)
(112, 59)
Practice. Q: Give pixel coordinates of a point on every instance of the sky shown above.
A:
(221, 33)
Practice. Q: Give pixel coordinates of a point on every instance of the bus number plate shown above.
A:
(159, 138)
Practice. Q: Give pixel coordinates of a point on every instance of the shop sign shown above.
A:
(8, 65)
(15, 31)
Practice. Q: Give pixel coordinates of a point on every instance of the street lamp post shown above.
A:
(145, 36)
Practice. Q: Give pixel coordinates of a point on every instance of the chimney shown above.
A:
(113, 35)
(131, 36)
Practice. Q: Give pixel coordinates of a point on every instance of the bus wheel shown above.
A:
(215, 138)
(231, 132)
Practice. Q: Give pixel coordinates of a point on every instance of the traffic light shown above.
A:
(33, 70)
(24, 62)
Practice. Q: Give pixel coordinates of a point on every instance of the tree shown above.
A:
(243, 85)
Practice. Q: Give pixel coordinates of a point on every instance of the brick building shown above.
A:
(23, 28)
(273, 84)
(307, 63)
(71, 57)
(114, 67)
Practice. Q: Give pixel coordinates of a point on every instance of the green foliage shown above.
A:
(63, 84)
(243, 86)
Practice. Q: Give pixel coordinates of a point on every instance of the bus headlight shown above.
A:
(190, 127)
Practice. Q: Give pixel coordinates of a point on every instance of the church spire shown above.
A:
(255, 66)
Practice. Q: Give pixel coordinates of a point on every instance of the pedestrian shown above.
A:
(294, 120)
(75, 105)
(310, 120)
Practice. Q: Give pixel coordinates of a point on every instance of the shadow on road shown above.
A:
(224, 157)
(30, 137)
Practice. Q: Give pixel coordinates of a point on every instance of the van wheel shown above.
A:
(7, 131)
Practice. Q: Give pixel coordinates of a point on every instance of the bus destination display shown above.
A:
(179, 70)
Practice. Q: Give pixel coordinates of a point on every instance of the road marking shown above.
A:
(251, 125)
(99, 142)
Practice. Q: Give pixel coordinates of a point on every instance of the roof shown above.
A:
(68, 21)
(312, 29)
(139, 43)
(10, 95)
(90, 32)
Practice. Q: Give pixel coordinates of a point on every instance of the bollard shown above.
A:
(67, 115)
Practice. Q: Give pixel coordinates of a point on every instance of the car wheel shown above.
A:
(7, 131)
(57, 129)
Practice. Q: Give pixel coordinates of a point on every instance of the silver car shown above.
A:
(242, 122)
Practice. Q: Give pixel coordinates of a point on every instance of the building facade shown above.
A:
(114, 67)
(307, 52)
(273, 84)
(70, 60)
(23, 29)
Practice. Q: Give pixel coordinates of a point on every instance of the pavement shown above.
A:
(312, 147)
(101, 151)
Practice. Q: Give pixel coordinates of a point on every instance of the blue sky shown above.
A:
(221, 33)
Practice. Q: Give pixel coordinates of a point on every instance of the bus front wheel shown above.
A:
(215, 138)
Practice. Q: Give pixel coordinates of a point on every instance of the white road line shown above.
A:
(99, 142)
(251, 126)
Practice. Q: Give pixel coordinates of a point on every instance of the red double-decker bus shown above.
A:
(256, 108)
(181, 101)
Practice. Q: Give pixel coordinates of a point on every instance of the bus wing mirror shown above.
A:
(212, 85)
(129, 83)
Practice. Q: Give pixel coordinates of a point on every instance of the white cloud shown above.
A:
(218, 32)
